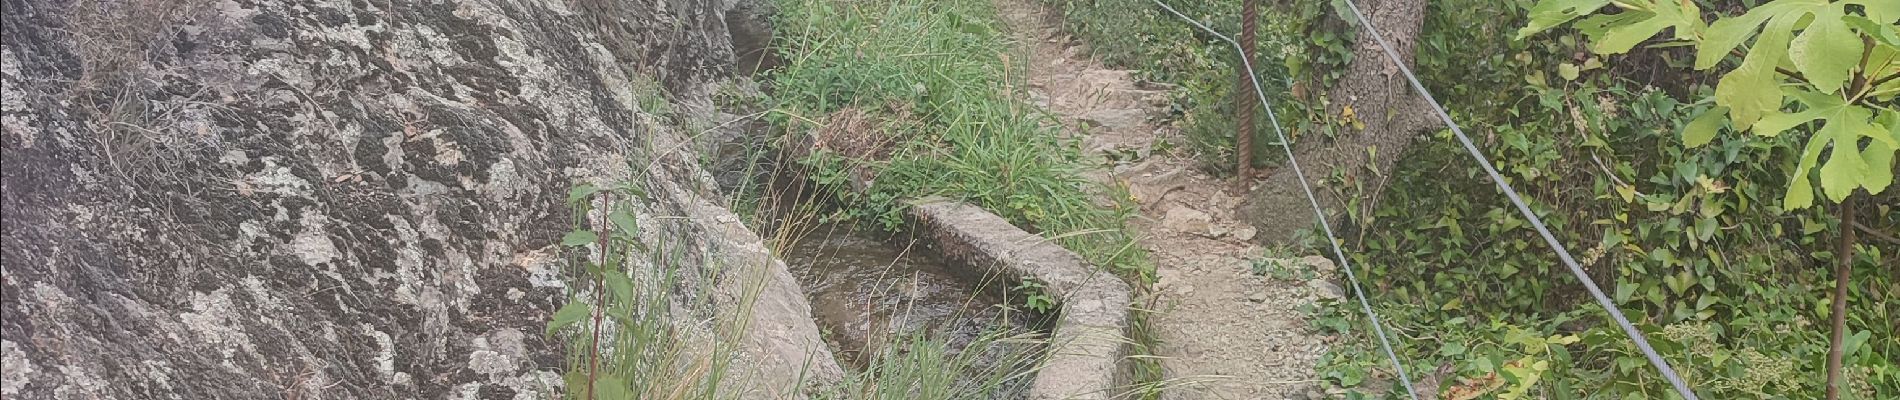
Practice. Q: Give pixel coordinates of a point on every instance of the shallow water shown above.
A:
(865, 289)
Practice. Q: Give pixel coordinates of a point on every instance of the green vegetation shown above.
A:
(1691, 238)
(922, 93)
(1842, 80)
(1293, 42)
(623, 340)
(919, 367)
(1695, 240)
(1036, 296)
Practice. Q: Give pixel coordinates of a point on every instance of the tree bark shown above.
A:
(1843, 265)
(1392, 114)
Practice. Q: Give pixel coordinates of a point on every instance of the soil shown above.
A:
(1226, 332)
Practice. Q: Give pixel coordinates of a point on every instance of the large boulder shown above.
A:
(348, 199)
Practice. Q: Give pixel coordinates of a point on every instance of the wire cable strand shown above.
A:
(1344, 263)
(1522, 208)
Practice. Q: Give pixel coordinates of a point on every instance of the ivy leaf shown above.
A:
(1826, 52)
(579, 238)
(1705, 229)
(573, 312)
(1749, 90)
(1344, 12)
(1703, 128)
(1552, 13)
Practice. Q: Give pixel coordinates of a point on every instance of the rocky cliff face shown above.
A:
(346, 198)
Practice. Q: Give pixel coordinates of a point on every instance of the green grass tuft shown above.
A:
(935, 79)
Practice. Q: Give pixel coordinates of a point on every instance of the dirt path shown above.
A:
(1227, 333)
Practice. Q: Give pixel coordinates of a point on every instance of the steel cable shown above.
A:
(1522, 208)
(1344, 263)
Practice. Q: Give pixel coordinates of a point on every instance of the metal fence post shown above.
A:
(1243, 104)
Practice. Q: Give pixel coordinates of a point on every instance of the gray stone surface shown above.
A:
(229, 199)
(1089, 343)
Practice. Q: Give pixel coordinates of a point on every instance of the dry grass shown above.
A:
(855, 134)
(139, 132)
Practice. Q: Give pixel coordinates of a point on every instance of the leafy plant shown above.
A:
(1036, 296)
(1294, 49)
(939, 79)
(1844, 69)
(1680, 236)
(917, 366)
(1842, 80)
(938, 83)
(623, 340)
(1280, 268)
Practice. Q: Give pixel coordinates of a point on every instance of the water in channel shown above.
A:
(868, 288)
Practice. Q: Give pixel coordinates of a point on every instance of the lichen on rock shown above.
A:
(337, 199)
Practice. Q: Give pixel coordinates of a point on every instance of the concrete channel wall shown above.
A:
(1089, 343)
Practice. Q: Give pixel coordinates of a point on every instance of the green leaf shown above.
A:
(612, 388)
(1890, 121)
(1844, 170)
(1879, 154)
(1568, 71)
(1879, 157)
(1851, 344)
(1879, 10)
(1616, 37)
(1752, 89)
(1705, 229)
(1723, 35)
(1344, 12)
(628, 225)
(619, 284)
(1827, 51)
(1726, 33)
(1704, 127)
(1452, 349)
(579, 238)
(1552, 13)
(1801, 191)
(573, 312)
(581, 192)
(1885, 34)
(1620, 39)
(1775, 123)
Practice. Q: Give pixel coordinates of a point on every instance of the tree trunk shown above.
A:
(1380, 98)
(1843, 265)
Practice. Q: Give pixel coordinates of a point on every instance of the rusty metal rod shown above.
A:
(1244, 104)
